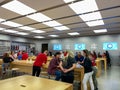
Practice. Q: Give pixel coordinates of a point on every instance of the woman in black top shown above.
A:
(67, 66)
(6, 62)
(87, 71)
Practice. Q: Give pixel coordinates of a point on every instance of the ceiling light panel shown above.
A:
(18, 7)
(10, 31)
(38, 31)
(23, 9)
(22, 33)
(67, 1)
(100, 31)
(86, 6)
(13, 24)
(39, 37)
(62, 28)
(2, 28)
(53, 35)
(74, 33)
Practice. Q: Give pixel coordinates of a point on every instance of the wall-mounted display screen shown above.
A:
(110, 46)
(80, 46)
(57, 47)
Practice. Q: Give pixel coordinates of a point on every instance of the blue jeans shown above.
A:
(58, 75)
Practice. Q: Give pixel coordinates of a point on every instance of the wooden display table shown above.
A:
(33, 83)
(26, 66)
(105, 62)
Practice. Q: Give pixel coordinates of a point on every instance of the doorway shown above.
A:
(44, 47)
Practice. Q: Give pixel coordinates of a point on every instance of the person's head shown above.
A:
(79, 54)
(46, 52)
(12, 53)
(5, 55)
(57, 55)
(90, 55)
(85, 53)
(70, 53)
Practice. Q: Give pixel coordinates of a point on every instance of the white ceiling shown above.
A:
(75, 23)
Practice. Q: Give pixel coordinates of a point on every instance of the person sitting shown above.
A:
(79, 58)
(53, 68)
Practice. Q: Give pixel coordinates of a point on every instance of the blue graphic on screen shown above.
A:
(110, 46)
(79, 46)
(57, 47)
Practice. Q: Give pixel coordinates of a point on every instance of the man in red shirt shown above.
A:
(40, 59)
(24, 55)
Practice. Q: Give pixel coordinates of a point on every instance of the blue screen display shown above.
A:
(57, 47)
(79, 46)
(110, 46)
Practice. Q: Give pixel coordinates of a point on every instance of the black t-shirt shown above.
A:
(68, 64)
(87, 65)
(7, 59)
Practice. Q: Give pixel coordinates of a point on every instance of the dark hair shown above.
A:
(57, 53)
(5, 55)
(86, 52)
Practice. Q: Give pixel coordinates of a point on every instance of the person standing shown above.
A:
(6, 62)
(95, 69)
(67, 66)
(87, 71)
(40, 59)
(53, 68)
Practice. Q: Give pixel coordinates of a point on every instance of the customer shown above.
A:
(53, 68)
(95, 69)
(13, 55)
(88, 71)
(40, 59)
(24, 55)
(79, 58)
(67, 66)
(6, 62)
(108, 59)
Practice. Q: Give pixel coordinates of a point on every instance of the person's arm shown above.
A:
(70, 69)
(60, 65)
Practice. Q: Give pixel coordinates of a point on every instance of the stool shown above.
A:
(15, 72)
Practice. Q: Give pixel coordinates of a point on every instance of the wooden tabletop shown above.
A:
(33, 83)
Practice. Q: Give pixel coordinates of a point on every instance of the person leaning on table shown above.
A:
(67, 66)
(53, 68)
(87, 64)
(40, 59)
(6, 62)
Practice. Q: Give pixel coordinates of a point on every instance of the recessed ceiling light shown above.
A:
(20, 26)
(9, 23)
(100, 31)
(38, 31)
(2, 28)
(62, 28)
(39, 17)
(74, 33)
(95, 23)
(87, 6)
(22, 33)
(1, 20)
(53, 35)
(26, 28)
(18, 7)
(52, 23)
(39, 37)
(23, 9)
(67, 1)
(10, 31)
